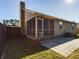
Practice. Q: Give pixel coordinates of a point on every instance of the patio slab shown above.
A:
(65, 48)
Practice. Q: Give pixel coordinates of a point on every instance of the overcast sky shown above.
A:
(66, 9)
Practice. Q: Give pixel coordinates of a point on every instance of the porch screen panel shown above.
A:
(46, 27)
(31, 27)
(39, 28)
(51, 27)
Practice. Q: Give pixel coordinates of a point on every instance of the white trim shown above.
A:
(42, 27)
(49, 26)
(36, 27)
(42, 24)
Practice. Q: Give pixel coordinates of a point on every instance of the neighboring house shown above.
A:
(38, 25)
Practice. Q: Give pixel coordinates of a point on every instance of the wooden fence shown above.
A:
(6, 32)
(2, 38)
(13, 31)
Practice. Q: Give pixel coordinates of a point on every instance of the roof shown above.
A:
(48, 16)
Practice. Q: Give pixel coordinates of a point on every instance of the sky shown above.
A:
(65, 9)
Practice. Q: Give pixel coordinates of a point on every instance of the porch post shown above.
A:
(42, 26)
(49, 27)
(36, 27)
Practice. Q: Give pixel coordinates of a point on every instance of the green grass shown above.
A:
(74, 55)
(78, 34)
(47, 54)
(23, 48)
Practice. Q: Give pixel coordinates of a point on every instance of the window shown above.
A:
(60, 24)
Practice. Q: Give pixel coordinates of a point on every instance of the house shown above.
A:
(39, 25)
(77, 28)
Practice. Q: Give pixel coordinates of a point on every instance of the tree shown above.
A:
(11, 22)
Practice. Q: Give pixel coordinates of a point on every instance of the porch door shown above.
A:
(48, 27)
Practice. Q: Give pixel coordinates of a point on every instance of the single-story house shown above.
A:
(39, 25)
(77, 28)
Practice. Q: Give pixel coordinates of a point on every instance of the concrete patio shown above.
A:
(64, 46)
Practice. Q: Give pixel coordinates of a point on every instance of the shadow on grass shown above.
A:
(18, 47)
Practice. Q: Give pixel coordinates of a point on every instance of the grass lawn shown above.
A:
(52, 55)
(23, 48)
(75, 55)
(78, 34)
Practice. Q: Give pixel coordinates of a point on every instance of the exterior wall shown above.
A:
(57, 30)
(66, 27)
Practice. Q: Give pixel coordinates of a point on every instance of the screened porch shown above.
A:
(40, 27)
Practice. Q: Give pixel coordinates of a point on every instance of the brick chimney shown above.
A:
(22, 17)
